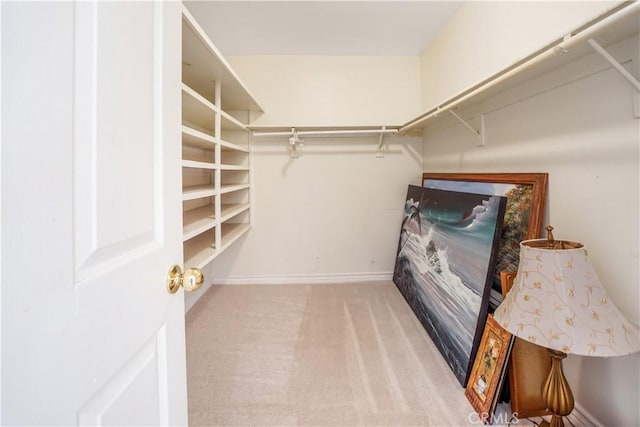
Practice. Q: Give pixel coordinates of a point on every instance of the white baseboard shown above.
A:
(581, 417)
(304, 279)
(307, 279)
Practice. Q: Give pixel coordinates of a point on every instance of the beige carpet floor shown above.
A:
(316, 355)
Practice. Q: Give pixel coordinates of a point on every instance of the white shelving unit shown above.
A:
(216, 164)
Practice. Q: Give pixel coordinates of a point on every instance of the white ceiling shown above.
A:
(377, 28)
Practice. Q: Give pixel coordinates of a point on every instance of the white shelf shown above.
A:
(230, 210)
(197, 221)
(608, 29)
(194, 138)
(231, 123)
(229, 146)
(228, 188)
(234, 168)
(198, 165)
(199, 251)
(202, 62)
(197, 110)
(232, 232)
(199, 101)
(198, 192)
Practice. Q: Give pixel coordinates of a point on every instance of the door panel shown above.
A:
(115, 211)
(91, 212)
(117, 400)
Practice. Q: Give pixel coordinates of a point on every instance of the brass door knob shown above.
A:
(191, 280)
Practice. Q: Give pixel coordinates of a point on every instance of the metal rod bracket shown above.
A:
(479, 133)
(380, 153)
(623, 71)
(615, 64)
(294, 143)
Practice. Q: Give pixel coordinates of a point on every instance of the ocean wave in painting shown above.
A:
(441, 269)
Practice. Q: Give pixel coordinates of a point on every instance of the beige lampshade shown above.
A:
(558, 302)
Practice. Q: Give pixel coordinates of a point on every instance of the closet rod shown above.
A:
(328, 132)
(558, 46)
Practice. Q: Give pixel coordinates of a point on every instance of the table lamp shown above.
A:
(558, 302)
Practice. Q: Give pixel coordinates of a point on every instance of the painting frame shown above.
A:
(489, 369)
(445, 262)
(531, 215)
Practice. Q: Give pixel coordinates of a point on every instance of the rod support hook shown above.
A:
(381, 142)
(479, 133)
(294, 143)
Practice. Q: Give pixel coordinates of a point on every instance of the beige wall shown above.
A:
(332, 90)
(484, 37)
(581, 130)
(332, 214)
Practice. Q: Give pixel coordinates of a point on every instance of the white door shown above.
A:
(91, 214)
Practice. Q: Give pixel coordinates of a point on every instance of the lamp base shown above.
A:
(556, 392)
(555, 422)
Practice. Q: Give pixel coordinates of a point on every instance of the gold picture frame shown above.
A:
(488, 372)
(526, 194)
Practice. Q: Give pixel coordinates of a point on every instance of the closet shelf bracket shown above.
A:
(626, 74)
(479, 133)
(615, 64)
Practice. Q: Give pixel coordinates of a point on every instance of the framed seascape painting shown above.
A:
(488, 370)
(444, 266)
(525, 193)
